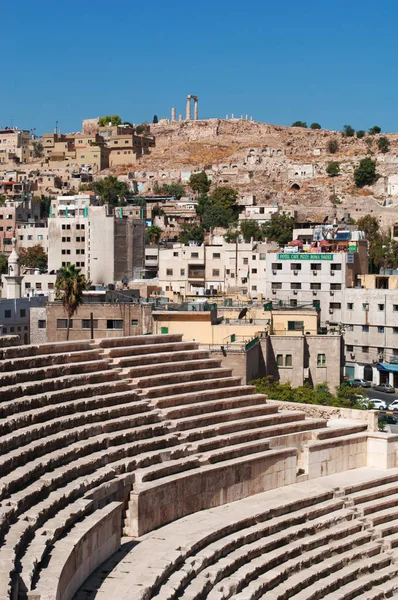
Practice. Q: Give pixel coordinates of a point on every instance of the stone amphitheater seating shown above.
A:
(134, 433)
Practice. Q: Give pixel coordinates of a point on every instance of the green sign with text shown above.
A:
(305, 256)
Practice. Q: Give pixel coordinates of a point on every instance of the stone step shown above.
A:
(138, 340)
(221, 417)
(222, 562)
(190, 387)
(368, 495)
(367, 485)
(333, 432)
(44, 349)
(31, 362)
(161, 357)
(205, 394)
(207, 406)
(368, 586)
(52, 398)
(249, 435)
(172, 379)
(379, 517)
(52, 411)
(50, 372)
(57, 383)
(380, 504)
(149, 370)
(241, 424)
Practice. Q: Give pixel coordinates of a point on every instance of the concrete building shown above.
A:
(316, 273)
(106, 243)
(14, 145)
(13, 213)
(370, 325)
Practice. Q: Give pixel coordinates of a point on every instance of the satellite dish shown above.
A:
(243, 313)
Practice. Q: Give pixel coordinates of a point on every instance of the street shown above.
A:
(371, 393)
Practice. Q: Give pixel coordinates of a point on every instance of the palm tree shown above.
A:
(70, 285)
(152, 234)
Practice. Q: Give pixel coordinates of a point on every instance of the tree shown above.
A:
(360, 134)
(191, 233)
(365, 174)
(155, 119)
(199, 183)
(2, 200)
(218, 216)
(370, 226)
(333, 146)
(333, 168)
(141, 129)
(45, 206)
(250, 229)
(113, 120)
(34, 257)
(300, 124)
(70, 285)
(174, 189)
(279, 229)
(315, 126)
(37, 149)
(375, 129)
(383, 144)
(111, 189)
(225, 196)
(152, 234)
(3, 264)
(348, 131)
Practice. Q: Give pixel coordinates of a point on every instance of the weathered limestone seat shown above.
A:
(150, 425)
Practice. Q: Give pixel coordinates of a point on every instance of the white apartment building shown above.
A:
(32, 234)
(207, 270)
(14, 144)
(106, 244)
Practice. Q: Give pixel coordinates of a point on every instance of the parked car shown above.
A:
(393, 405)
(385, 387)
(378, 403)
(390, 420)
(359, 383)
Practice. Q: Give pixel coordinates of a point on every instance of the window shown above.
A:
(395, 330)
(395, 307)
(169, 272)
(63, 323)
(27, 285)
(278, 267)
(335, 286)
(316, 267)
(349, 348)
(276, 285)
(182, 272)
(334, 305)
(365, 306)
(288, 360)
(216, 255)
(349, 327)
(279, 360)
(293, 302)
(335, 267)
(254, 288)
(216, 273)
(365, 349)
(321, 360)
(295, 325)
(295, 286)
(114, 324)
(381, 306)
(380, 330)
(134, 322)
(175, 253)
(22, 312)
(41, 323)
(7, 314)
(295, 267)
(315, 286)
(365, 328)
(350, 306)
(245, 261)
(254, 257)
(194, 254)
(86, 323)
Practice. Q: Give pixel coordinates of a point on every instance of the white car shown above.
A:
(378, 403)
(393, 405)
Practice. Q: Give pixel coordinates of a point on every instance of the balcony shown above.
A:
(196, 273)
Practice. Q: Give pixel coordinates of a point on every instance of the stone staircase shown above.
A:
(147, 425)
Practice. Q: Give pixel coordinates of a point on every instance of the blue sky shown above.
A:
(334, 63)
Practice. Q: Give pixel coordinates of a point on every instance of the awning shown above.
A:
(387, 367)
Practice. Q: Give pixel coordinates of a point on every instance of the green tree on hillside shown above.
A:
(315, 126)
(38, 149)
(332, 146)
(300, 124)
(113, 120)
(111, 189)
(374, 130)
(365, 174)
(250, 229)
(348, 131)
(199, 183)
(70, 285)
(155, 119)
(383, 144)
(191, 233)
(333, 168)
(360, 134)
(279, 228)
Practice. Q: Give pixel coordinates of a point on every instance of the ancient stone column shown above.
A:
(188, 111)
(173, 115)
(195, 109)
(180, 117)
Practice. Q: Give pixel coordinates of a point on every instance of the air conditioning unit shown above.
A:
(274, 291)
(315, 272)
(352, 355)
(273, 272)
(332, 293)
(381, 356)
(314, 293)
(295, 272)
(295, 292)
(332, 273)
(330, 311)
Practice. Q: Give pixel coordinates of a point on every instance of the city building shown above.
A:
(13, 213)
(14, 145)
